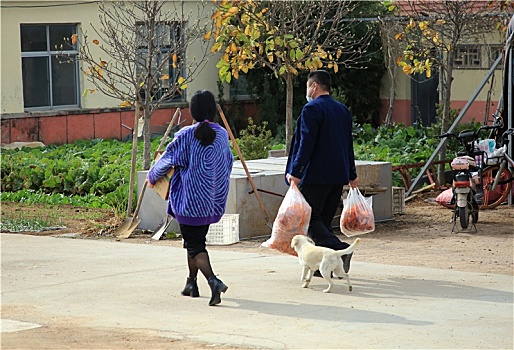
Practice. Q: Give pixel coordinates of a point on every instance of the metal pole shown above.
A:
(508, 51)
(457, 120)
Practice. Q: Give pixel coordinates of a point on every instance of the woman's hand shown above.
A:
(149, 184)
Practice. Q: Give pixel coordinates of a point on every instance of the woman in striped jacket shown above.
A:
(202, 159)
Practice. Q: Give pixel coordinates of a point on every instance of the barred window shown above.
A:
(468, 56)
(166, 62)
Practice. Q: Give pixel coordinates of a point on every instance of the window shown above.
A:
(168, 39)
(239, 87)
(49, 80)
(493, 52)
(468, 56)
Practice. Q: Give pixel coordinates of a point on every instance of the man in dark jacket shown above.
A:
(321, 160)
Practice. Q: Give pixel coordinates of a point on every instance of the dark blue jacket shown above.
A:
(322, 147)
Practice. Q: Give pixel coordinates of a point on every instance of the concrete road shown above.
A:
(120, 285)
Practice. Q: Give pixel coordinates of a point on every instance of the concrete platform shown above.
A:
(117, 285)
(267, 174)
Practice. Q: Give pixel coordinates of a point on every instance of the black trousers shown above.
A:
(324, 200)
(194, 239)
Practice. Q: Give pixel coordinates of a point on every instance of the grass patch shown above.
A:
(31, 224)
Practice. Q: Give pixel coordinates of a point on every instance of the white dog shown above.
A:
(325, 260)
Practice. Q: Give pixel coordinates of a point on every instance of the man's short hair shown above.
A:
(322, 78)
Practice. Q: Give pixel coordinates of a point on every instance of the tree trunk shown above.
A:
(147, 137)
(392, 95)
(391, 69)
(445, 121)
(289, 111)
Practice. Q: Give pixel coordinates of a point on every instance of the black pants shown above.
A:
(194, 238)
(324, 200)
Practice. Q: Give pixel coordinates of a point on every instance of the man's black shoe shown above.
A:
(346, 262)
(479, 198)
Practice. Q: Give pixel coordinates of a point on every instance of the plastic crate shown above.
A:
(224, 232)
(398, 200)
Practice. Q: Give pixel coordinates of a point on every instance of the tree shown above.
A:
(431, 37)
(389, 27)
(286, 37)
(433, 33)
(138, 54)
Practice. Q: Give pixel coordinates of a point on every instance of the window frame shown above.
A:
(175, 36)
(467, 47)
(51, 54)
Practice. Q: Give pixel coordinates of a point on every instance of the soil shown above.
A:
(422, 236)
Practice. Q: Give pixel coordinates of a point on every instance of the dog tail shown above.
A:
(348, 250)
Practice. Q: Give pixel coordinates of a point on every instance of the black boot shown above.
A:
(191, 288)
(217, 287)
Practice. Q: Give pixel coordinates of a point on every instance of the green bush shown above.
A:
(254, 141)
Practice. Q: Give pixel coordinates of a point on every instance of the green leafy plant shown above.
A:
(255, 141)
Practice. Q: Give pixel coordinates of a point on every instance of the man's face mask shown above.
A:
(309, 98)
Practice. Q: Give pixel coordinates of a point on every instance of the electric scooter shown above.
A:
(467, 182)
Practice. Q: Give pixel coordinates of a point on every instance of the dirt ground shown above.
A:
(420, 237)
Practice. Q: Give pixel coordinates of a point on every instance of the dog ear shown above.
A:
(293, 242)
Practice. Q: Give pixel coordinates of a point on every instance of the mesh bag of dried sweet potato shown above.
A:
(357, 217)
(292, 219)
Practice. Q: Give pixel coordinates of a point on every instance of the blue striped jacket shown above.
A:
(200, 183)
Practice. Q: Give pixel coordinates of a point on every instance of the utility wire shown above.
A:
(50, 5)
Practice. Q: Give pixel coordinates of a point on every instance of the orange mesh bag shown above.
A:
(357, 217)
(292, 219)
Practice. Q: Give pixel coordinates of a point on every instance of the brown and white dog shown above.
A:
(325, 260)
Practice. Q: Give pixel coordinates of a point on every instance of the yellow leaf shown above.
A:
(235, 74)
(174, 58)
(440, 22)
(233, 48)
(96, 42)
(398, 36)
(233, 10)
(74, 39)
(103, 63)
(407, 69)
(215, 15)
(207, 35)
(100, 72)
(423, 25)
(336, 68)
(339, 52)
(165, 77)
(87, 71)
(125, 104)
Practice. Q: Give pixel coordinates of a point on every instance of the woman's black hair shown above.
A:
(203, 110)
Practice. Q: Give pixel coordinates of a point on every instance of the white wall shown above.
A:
(12, 15)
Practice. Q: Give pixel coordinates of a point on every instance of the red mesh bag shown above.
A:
(292, 219)
(357, 217)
